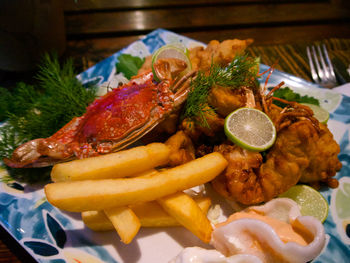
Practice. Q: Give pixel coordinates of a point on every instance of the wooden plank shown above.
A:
(6, 255)
(88, 52)
(90, 5)
(191, 19)
(279, 34)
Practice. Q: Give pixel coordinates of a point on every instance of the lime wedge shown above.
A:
(319, 113)
(311, 202)
(176, 51)
(250, 129)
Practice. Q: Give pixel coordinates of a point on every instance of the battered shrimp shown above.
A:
(324, 162)
(217, 53)
(208, 124)
(304, 151)
(181, 149)
(226, 100)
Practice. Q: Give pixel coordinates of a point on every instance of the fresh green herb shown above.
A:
(242, 71)
(129, 65)
(40, 111)
(288, 94)
(197, 98)
(5, 98)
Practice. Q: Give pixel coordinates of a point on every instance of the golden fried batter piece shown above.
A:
(239, 181)
(217, 53)
(181, 149)
(322, 153)
(324, 162)
(302, 152)
(249, 180)
(225, 100)
(209, 124)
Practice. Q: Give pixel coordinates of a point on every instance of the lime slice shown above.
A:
(311, 202)
(320, 114)
(176, 51)
(250, 129)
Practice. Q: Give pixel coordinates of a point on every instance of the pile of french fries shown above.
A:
(124, 191)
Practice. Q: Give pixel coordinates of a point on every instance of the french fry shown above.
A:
(114, 165)
(150, 214)
(186, 211)
(124, 221)
(79, 196)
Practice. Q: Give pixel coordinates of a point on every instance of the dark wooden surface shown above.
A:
(97, 29)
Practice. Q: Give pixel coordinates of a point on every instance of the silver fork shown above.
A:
(321, 67)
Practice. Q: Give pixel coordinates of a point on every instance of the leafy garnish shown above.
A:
(5, 98)
(241, 72)
(288, 94)
(197, 98)
(40, 111)
(129, 65)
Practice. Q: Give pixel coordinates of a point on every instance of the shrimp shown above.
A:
(304, 151)
(181, 149)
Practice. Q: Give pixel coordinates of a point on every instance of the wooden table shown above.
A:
(97, 29)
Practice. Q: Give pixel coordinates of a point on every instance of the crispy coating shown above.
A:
(217, 53)
(302, 152)
(226, 100)
(181, 149)
(208, 124)
(249, 180)
(324, 162)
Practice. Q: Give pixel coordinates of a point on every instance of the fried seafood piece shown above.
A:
(239, 180)
(221, 102)
(304, 151)
(181, 149)
(217, 53)
(225, 100)
(208, 124)
(322, 153)
(202, 57)
(250, 180)
(324, 162)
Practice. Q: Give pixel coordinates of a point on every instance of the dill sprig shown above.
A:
(40, 111)
(241, 72)
(196, 104)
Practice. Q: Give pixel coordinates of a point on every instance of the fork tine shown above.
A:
(324, 68)
(329, 63)
(312, 67)
(319, 70)
(321, 74)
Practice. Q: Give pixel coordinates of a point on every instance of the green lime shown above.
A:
(320, 114)
(342, 204)
(250, 129)
(176, 51)
(311, 202)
